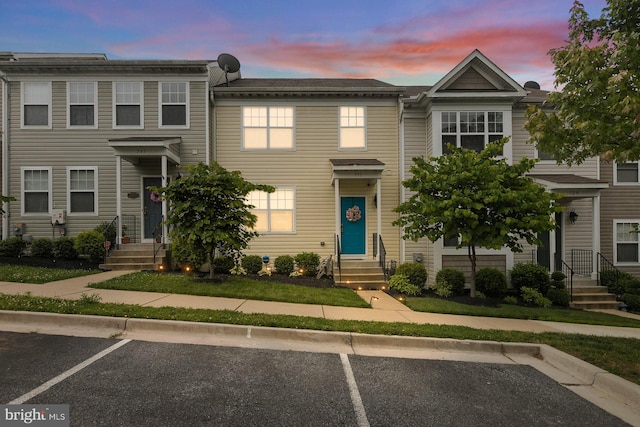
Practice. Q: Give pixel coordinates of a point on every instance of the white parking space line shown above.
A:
(356, 400)
(46, 386)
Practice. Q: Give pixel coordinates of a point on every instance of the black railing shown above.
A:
(568, 272)
(110, 232)
(338, 257)
(582, 261)
(612, 274)
(157, 236)
(380, 252)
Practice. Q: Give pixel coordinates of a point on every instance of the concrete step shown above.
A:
(139, 259)
(595, 305)
(593, 297)
(131, 266)
(590, 290)
(363, 284)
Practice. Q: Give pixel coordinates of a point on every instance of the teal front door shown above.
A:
(152, 208)
(354, 225)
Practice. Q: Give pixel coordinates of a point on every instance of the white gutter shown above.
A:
(403, 195)
(5, 153)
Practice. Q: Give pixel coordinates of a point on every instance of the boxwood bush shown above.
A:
(415, 272)
(309, 262)
(222, 264)
(284, 264)
(42, 248)
(252, 263)
(532, 276)
(491, 282)
(91, 245)
(453, 277)
(63, 248)
(13, 247)
(401, 283)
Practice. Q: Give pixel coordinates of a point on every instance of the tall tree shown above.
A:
(3, 200)
(477, 197)
(208, 210)
(597, 110)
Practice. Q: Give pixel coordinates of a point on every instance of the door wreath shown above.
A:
(354, 214)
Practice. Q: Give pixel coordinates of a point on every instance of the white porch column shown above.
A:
(379, 215)
(164, 202)
(119, 198)
(336, 188)
(552, 247)
(595, 232)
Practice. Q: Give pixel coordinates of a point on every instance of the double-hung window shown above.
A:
(36, 190)
(472, 130)
(82, 196)
(352, 128)
(174, 108)
(275, 211)
(36, 104)
(626, 242)
(267, 128)
(128, 104)
(82, 104)
(626, 173)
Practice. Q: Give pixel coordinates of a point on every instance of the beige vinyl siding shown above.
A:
(1, 128)
(471, 80)
(308, 170)
(462, 263)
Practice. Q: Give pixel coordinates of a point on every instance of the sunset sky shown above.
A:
(404, 42)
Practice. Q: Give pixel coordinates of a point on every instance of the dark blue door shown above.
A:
(354, 225)
(152, 206)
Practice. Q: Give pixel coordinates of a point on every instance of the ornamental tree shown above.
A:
(3, 200)
(208, 210)
(477, 197)
(597, 111)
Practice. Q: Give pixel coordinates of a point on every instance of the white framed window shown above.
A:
(267, 128)
(174, 104)
(36, 191)
(472, 130)
(352, 128)
(128, 105)
(275, 211)
(625, 242)
(36, 104)
(82, 190)
(82, 110)
(626, 173)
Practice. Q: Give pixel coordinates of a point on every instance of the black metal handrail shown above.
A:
(155, 233)
(605, 265)
(108, 244)
(338, 257)
(582, 261)
(568, 272)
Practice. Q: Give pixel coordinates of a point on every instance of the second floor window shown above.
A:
(472, 130)
(267, 128)
(36, 104)
(174, 110)
(82, 103)
(627, 173)
(352, 128)
(128, 104)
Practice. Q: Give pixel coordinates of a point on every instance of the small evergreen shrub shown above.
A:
(534, 298)
(252, 263)
(443, 289)
(184, 254)
(308, 262)
(454, 277)
(13, 247)
(491, 282)
(557, 280)
(559, 297)
(64, 248)
(108, 230)
(91, 245)
(223, 264)
(632, 301)
(608, 279)
(42, 248)
(530, 275)
(510, 300)
(415, 272)
(402, 284)
(284, 264)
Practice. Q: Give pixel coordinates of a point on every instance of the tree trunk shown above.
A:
(211, 269)
(472, 257)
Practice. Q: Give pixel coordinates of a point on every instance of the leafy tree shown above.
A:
(4, 199)
(482, 200)
(597, 111)
(209, 210)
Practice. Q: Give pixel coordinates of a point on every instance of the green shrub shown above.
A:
(183, 254)
(510, 300)
(530, 275)
(454, 277)
(491, 282)
(108, 230)
(308, 262)
(222, 264)
(443, 289)
(559, 297)
(533, 297)
(284, 264)
(402, 284)
(42, 248)
(608, 279)
(64, 248)
(557, 280)
(632, 301)
(13, 247)
(415, 272)
(91, 245)
(252, 263)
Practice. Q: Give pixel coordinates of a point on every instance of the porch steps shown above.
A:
(588, 296)
(135, 256)
(359, 274)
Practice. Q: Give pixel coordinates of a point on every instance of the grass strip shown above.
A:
(38, 275)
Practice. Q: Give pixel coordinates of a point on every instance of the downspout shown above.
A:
(401, 178)
(210, 121)
(5, 152)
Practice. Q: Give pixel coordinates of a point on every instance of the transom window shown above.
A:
(82, 100)
(472, 130)
(626, 242)
(352, 128)
(36, 190)
(174, 109)
(36, 104)
(128, 107)
(267, 128)
(627, 173)
(82, 187)
(275, 211)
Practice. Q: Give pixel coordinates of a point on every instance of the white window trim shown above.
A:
(615, 241)
(114, 104)
(294, 225)
(365, 114)
(268, 127)
(22, 191)
(22, 104)
(95, 107)
(95, 191)
(186, 104)
(622, 184)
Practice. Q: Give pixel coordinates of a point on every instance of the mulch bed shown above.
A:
(280, 278)
(70, 264)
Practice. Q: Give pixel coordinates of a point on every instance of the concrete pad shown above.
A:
(380, 300)
(364, 314)
(192, 301)
(273, 307)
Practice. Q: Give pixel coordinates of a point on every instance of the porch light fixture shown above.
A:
(573, 216)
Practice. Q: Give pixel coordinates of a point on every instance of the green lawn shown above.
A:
(37, 275)
(235, 287)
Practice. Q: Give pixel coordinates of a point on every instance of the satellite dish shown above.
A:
(229, 64)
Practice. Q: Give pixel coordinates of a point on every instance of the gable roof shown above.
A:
(314, 86)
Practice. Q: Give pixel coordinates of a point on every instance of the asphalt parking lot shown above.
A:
(144, 383)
